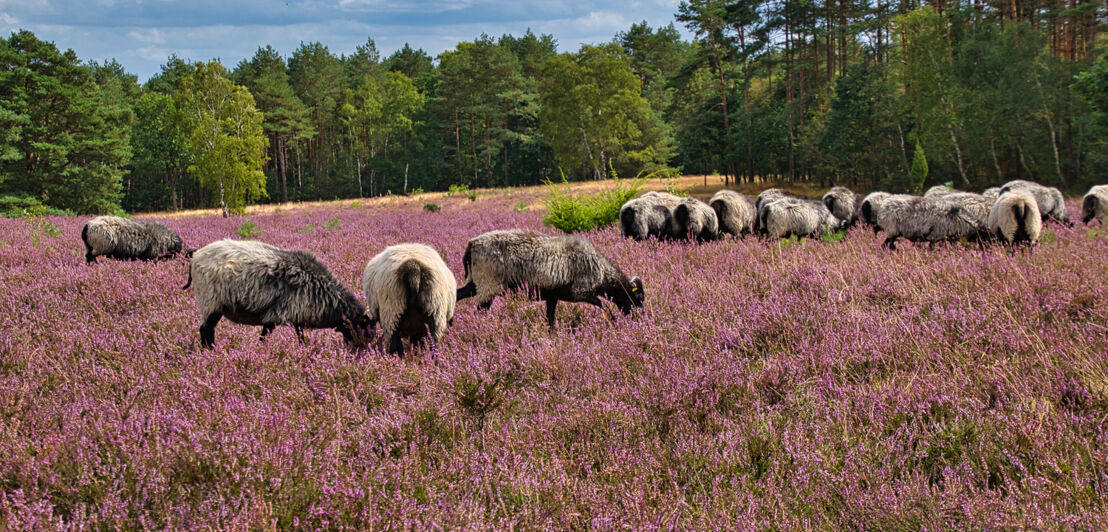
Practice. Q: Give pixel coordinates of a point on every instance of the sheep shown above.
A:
(928, 220)
(411, 292)
(872, 204)
(1095, 205)
(991, 193)
(1052, 205)
(667, 199)
(845, 204)
(554, 268)
(938, 190)
(123, 239)
(791, 216)
(734, 211)
(693, 218)
(257, 284)
(767, 196)
(976, 204)
(646, 216)
(1015, 218)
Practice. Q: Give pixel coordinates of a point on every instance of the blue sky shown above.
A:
(141, 34)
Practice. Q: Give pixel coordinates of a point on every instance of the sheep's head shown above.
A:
(1088, 209)
(356, 332)
(628, 294)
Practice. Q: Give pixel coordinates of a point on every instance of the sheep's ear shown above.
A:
(636, 284)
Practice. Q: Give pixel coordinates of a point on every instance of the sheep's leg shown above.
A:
(467, 291)
(485, 305)
(890, 242)
(395, 345)
(551, 310)
(299, 333)
(595, 301)
(207, 330)
(266, 329)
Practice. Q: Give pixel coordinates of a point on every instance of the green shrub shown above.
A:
(521, 207)
(918, 173)
(40, 227)
(431, 207)
(573, 213)
(416, 191)
(827, 236)
(249, 230)
(333, 223)
(460, 188)
(24, 206)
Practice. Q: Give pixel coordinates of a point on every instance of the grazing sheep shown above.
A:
(647, 216)
(667, 199)
(787, 217)
(976, 204)
(257, 284)
(411, 292)
(693, 218)
(928, 220)
(1015, 218)
(123, 239)
(553, 268)
(991, 193)
(1095, 205)
(938, 190)
(845, 204)
(735, 212)
(1052, 205)
(871, 206)
(767, 196)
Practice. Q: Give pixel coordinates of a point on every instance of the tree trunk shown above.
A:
(405, 178)
(222, 198)
(358, 166)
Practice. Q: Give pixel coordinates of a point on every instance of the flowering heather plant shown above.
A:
(816, 385)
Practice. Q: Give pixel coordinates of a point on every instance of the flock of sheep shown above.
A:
(411, 292)
(1013, 213)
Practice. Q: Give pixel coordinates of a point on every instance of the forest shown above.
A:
(855, 93)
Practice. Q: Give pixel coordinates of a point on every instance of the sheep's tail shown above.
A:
(189, 283)
(411, 277)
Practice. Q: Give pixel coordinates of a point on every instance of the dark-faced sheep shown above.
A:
(1095, 205)
(787, 217)
(871, 206)
(553, 268)
(735, 212)
(1015, 218)
(693, 218)
(644, 217)
(257, 284)
(928, 220)
(1052, 205)
(845, 204)
(411, 292)
(123, 239)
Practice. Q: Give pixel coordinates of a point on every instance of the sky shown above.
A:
(141, 34)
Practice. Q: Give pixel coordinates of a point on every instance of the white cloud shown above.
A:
(405, 6)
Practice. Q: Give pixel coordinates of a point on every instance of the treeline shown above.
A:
(862, 93)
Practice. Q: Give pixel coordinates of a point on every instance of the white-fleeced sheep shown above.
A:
(735, 212)
(693, 218)
(928, 220)
(1095, 205)
(411, 292)
(1015, 218)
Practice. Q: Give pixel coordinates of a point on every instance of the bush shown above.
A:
(918, 173)
(249, 230)
(461, 188)
(24, 206)
(415, 191)
(573, 214)
(431, 207)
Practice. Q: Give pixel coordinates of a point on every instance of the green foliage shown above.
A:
(431, 207)
(574, 213)
(26, 206)
(918, 175)
(415, 191)
(226, 140)
(333, 223)
(460, 188)
(41, 227)
(249, 230)
(828, 236)
(595, 116)
(64, 126)
(521, 207)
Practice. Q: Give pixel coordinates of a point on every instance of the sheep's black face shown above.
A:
(357, 333)
(628, 295)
